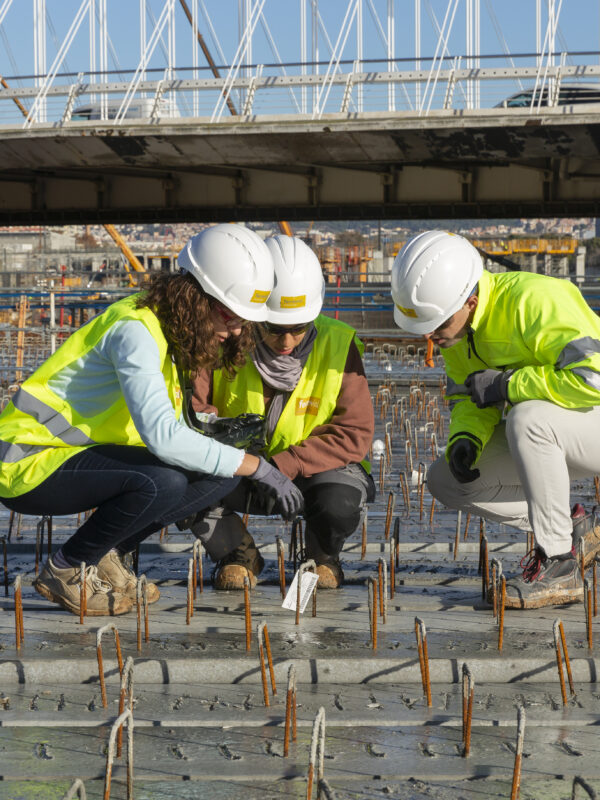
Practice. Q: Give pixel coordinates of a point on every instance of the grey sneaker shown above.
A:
(62, 586)
(112, 570)
(545, 582)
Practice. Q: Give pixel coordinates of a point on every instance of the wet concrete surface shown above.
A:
(201, 725)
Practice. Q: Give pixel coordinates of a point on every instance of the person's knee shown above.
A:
(334, 505)
(163, 482)
(526, 421)
(441, 483)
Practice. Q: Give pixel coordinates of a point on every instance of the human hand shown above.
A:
(488, 386)
(280, 488)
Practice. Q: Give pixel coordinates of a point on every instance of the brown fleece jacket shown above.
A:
(345, 439)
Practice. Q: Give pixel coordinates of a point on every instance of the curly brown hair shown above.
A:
(183, 310)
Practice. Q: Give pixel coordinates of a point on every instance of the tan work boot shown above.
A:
(122, 579)
(244, 561)
(586, 530)
(331, 576)
(62, 586)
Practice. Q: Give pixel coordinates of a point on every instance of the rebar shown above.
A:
(396, 537)
(392, 568)
(125, 717)
(48, 520)
(432, 512)
(363, 544)
(5, 563)
(82, 592)
(496, 570)
(485, 571)
(39, 545)
(100, 632)
(581, 554)
(467, 523)
(468, 692)
(587, 605)
(421, 635)
(372, 604)
(405, 491)
(559, 639)
(389, 513)
(597, 486)
(516, 781)
(262, 634)
(135, 559)
(501, 611)
(595, 585)
(296, 543)
(77, 790)
(317, 752)
(125, 691)
(247, 612)
(382, 584)
(189, 610)
(141, 598)
(311, 565)
(457, 537)
(19, 627)
(281, 564)
(579, 781)
(290, 711)
(197, 553)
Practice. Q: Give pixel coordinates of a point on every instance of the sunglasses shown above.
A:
(282, 330)
(230, 319)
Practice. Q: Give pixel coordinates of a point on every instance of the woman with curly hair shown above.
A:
(99, 425)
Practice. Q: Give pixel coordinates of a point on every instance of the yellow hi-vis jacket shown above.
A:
(314, 399)
(39, 430)
(542, 328)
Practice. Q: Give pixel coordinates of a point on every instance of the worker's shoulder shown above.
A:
(531, 285)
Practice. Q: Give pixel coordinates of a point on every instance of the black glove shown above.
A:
(488, 387)
(288, 499)
(244, 431)
(462, 454)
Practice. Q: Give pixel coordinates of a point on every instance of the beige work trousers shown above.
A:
(526, 469)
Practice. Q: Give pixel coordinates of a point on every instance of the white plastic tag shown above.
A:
(309, 581)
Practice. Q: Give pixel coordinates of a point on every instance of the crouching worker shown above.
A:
(307, 376)
(99, 424)
(529, 343)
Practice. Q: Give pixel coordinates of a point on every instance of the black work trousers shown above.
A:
(134, 494)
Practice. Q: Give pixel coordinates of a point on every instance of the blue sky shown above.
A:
(579, 29)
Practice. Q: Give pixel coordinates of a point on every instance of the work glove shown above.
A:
(462, 454)
(284, 496)
(244, 431)
(488, 386)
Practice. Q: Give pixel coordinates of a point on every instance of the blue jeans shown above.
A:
(134, 494)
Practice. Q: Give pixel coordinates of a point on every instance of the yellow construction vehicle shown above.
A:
(130, 258)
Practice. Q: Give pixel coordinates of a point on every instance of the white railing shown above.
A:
(69, 100)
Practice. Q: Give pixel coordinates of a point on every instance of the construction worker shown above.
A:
(530, 344)
(307, 375)
(98, 425)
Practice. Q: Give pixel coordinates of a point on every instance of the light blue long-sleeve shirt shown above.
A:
(126, 361)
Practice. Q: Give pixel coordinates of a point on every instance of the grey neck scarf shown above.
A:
(282, 372)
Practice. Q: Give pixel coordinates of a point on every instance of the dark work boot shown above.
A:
(244, 561)
(545, 582)
(586, 529)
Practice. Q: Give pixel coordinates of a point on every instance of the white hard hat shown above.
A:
(299, 289)
(432, 277)
(232, 264)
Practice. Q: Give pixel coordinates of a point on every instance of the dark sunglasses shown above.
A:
(230, 319)
(282, 330)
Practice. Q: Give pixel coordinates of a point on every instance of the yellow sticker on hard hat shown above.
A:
(293, 302)
(307, 405)
(408, 312)
(259, 296)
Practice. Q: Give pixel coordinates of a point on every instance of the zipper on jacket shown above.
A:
(471, 345)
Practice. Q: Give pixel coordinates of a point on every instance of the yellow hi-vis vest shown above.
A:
(314, 399)
(39, 430)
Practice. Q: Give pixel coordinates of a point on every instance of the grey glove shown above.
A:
(288, 498)
(462, 454)
(488, 387)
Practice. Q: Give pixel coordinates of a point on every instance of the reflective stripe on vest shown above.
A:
(312, 402)
(39, 430)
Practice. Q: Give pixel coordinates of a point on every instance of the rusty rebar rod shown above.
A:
(597, 486)
(421, 635)
(247, 612)
(396, 536)
(82, 592)
(309, 564)
(559, 639)
(484, 566)
(389, 513)
(39, 545)
(296, 543)
(468, 693)
(5, 563)
(141, 599)
(281, 565)
(363, 543)
(432, 511)
(382, 583)
(392, 568)
(457, 536)
(100, 632)
(290, 711)
(516, 781)
(125, 691)
(372, 604)
(467, 523)
(587, 605)
(581, 554)
(197, 553)
(125, 717)
(502, 604)
(496, 572)
(189, 606)
(19, 627)
(48, 520)
(595, 585)
(264, 645)
(317, 752)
